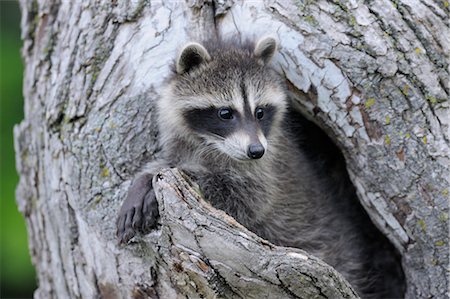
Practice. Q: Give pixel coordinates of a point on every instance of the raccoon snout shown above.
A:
(255, 150)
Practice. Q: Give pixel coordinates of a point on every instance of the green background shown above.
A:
(17, 276)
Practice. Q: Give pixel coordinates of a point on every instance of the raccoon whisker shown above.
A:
(218, 137)
(207, 151)
(250, 164)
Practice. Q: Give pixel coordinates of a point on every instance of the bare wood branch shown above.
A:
(207, 253)
(377, 80)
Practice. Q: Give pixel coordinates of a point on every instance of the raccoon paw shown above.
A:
(139, 211)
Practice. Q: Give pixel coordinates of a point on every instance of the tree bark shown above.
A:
(373, 74)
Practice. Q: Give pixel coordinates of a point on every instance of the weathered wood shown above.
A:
(377, 78)
(207, 253)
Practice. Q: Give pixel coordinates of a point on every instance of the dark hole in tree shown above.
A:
(383, 260)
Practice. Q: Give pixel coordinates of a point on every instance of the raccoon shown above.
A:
(225, 120)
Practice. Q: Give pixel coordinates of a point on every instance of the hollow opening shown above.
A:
(383, 260)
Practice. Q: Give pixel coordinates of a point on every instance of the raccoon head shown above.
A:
(227, 97)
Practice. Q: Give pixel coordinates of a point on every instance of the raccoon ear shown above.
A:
(192, 55)
(265, 49)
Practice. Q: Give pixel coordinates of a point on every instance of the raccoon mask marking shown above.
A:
(224, 120)
(234, 108)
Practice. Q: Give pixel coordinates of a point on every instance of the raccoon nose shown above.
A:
(255, 150)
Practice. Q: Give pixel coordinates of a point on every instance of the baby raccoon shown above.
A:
(224, 119)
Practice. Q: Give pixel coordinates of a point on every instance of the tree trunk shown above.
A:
(373, 74)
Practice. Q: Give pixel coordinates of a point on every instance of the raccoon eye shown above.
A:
(225, 113)
(259, 113)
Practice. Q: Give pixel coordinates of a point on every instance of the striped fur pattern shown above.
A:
(282, 195)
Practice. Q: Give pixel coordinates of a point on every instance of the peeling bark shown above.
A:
(377, 78)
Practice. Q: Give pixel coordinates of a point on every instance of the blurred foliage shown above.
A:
(17, 276)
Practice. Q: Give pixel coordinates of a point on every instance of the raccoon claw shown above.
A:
(151, 212)
(139, 211)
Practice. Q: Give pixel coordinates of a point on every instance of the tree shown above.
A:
(373, 74)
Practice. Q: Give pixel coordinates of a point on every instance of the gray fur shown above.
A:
(281, 197)
(191, 55)
(265, 49)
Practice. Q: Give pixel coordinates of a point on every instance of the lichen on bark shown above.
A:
(376, 78)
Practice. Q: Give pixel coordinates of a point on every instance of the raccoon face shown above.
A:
(230, 98)
(239, 134)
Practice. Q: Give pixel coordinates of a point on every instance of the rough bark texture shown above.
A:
(377, 77)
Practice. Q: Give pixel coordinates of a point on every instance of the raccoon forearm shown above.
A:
(153, 168)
